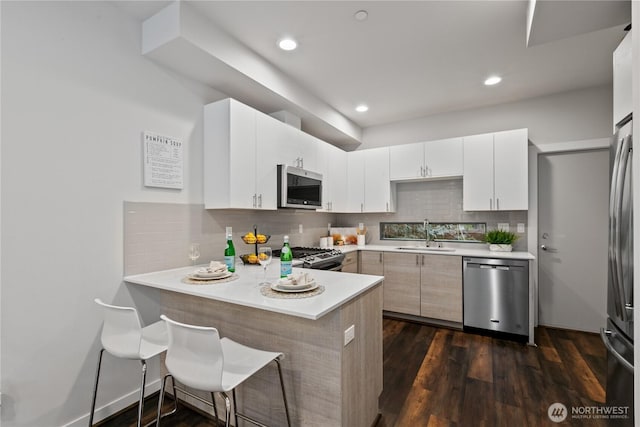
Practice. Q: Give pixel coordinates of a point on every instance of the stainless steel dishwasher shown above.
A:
(496, 295)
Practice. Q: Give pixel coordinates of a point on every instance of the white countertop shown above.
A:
(475, 252)
(339, 289)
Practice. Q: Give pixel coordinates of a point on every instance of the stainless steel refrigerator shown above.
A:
(618, 334)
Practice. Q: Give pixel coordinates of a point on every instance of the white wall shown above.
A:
(76, 96)
(568, 116)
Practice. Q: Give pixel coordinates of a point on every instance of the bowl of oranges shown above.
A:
(252, 238)
(252, 258)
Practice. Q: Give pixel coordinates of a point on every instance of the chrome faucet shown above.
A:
(426, 232)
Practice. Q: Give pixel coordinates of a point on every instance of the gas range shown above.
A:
(316, 258)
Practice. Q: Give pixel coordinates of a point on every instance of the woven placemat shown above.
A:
(268, 292)
(189, 281)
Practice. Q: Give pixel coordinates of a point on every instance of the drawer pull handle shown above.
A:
(495, 321)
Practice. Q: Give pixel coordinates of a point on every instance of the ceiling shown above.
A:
(416, 58)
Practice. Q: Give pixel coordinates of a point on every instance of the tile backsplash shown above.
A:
(438, 201)
(157, 235)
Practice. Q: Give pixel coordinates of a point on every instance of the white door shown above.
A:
(573, 224)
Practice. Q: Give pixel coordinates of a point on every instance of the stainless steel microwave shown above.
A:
(299, 188)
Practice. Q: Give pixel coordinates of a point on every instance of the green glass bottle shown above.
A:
(286, 258)
(230, 252)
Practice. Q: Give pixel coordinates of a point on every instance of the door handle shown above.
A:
(548, 249)
(604, 335)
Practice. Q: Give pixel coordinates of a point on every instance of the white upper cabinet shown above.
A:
(297, 148)
(332, 164)
(231, 159)
(431, 159)
(378, 194)
(368, 185)
(622, 99)
(443, 158)
(496, 171)
(355, 181)
(406, 161)
(511, 170)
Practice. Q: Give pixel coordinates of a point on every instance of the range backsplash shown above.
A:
(157, 235)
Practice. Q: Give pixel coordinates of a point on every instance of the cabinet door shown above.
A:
(372, 263)
(622, 76)
(297, 148)
(443, 157)
(511, 171)
(441, 287)
(406, 161)
(377, 187)
(269, 133)
(337, 179)
(350, 263)
(229, 155)
(477, 181)
(401, 288)
(355, 181)
(307, 148)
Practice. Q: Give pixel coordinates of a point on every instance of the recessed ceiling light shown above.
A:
(287, 44)
(361, 15)
(493, 80)
(362, 108)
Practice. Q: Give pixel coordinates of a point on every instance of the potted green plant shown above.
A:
(500, 240)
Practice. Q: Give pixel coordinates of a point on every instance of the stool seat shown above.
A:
(124, 337)
(198, 358)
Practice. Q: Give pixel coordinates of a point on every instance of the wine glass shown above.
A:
(264, 258)
(194, 252)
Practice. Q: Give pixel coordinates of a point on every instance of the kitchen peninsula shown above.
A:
(327, 381)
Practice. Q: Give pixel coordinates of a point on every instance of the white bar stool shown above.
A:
(124, 337)
(198, 358)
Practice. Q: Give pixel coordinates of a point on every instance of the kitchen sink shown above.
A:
(425, 249)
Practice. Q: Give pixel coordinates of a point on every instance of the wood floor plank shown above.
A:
(582, 373)
(481, 366)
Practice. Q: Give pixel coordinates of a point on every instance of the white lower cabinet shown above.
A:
(496, 171)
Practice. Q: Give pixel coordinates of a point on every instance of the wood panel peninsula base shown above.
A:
(327, 383)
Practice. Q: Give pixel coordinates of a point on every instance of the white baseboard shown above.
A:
(114, 406)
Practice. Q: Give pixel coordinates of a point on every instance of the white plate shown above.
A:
(224, 276)
(205, 275)
(287, 288)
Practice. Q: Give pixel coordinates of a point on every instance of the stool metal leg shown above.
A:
(235, 406)
(215, 408)
(142, 385)
(227, 404)
(95, 388)
(284, 396)
(163, 388)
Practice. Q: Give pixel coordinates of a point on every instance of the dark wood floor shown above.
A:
(441, 377)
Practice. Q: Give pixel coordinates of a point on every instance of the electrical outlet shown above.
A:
(300, 229)
(361, 226)
(504, 226)
(520, 227)
(349, 334)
